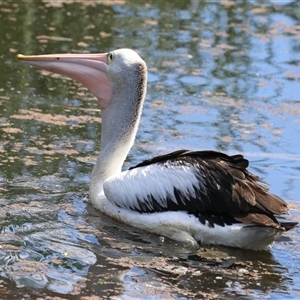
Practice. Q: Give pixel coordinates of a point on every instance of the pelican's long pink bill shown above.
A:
(88, 69)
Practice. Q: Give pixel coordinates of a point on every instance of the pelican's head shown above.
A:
(103, 74)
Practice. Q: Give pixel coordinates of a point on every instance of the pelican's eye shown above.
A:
(110, 57)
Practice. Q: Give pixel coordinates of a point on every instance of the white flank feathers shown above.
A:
(132, 187)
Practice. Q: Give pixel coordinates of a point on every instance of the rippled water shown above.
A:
(222, 75)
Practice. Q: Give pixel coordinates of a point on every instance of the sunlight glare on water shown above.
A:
(223, 75)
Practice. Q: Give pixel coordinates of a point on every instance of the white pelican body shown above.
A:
(191, 197)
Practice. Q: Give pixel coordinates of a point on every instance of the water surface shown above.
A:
(223, 75)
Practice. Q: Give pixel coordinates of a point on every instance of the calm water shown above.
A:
(222, 75)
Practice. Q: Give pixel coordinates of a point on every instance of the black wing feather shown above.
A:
(230, 192)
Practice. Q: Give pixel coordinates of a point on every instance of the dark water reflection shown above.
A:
(222, 75)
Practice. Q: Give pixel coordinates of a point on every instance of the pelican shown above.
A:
(192, 197)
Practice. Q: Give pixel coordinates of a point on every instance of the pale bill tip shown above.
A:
(20, 56)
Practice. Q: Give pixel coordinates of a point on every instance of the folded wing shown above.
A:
(201, 183)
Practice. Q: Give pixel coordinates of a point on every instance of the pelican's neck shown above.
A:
(119, 127)
(120, 122)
